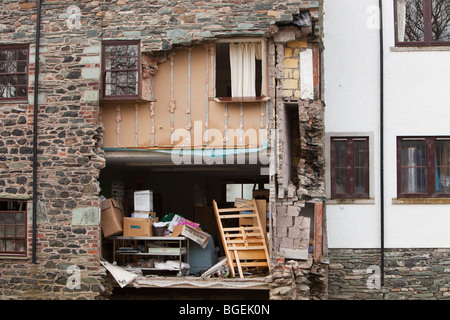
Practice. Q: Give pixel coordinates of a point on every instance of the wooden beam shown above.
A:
(318, 229)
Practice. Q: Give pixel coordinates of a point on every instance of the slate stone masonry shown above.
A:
(410, 274)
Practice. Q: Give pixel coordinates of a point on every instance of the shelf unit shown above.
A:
(141, 248)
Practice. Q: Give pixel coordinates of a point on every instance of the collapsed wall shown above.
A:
(298, 185)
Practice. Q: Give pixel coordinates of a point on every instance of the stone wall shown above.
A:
(409, 274)
(294, 280)
(69, 155)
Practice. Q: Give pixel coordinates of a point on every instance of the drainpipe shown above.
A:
(35, 127)
(381, 144)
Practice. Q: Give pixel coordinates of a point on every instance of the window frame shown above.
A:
(106, 44)
(264, 73)
(350, 168)
(257, 184)
(430, 175)
(26, 73)
(5, 253)
(428, 33)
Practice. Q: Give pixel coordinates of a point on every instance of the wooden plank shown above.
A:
(236, 209)
(219, 223)
(253, 255)
(239, 228)
(238, 262)
(237, 216)
(318, 237)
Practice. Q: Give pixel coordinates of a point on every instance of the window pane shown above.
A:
(20, 231)
(9, 231)
(20, 245)
(22, 54)
(340, 183)
(20, 218)
(11, 92)
(233, 191)
(9, 218)
(440, 20)
(442, 166)
(413, 167)
(360, 154)
(360, 164)
(9, 245)
(22, 66)
(132, 63)
(247, 191)
(120, 63)
(110, 90)
(410, 22)
(121, 50)
(340, 153)
(340, 166)
(11, 67)
(3, 91)
(22, 91)
(132, 50)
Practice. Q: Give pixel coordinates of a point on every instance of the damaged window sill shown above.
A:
(421, 201)
(351, 201)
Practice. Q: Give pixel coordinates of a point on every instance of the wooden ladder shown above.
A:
(245, 246)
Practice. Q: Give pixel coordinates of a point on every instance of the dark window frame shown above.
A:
(350, 192)
(428, 33)
(220, 84)
(430, 167)
(4, 212)
(26, 72)
(136, 96)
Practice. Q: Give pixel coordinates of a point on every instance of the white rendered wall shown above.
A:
(417, 102)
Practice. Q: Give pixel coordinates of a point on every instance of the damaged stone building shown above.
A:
(208, 103)
(195, 100)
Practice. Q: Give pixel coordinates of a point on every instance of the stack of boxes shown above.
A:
(140, 224)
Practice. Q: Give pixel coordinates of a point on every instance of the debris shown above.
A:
(122, 276)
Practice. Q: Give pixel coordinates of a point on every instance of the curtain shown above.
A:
(401, 20)
(242, 65)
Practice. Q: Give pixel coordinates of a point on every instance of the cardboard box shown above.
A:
(143, 200)
(195, 234)
(111, 218)
(137, 227)
(146, 215)
(177, 220)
